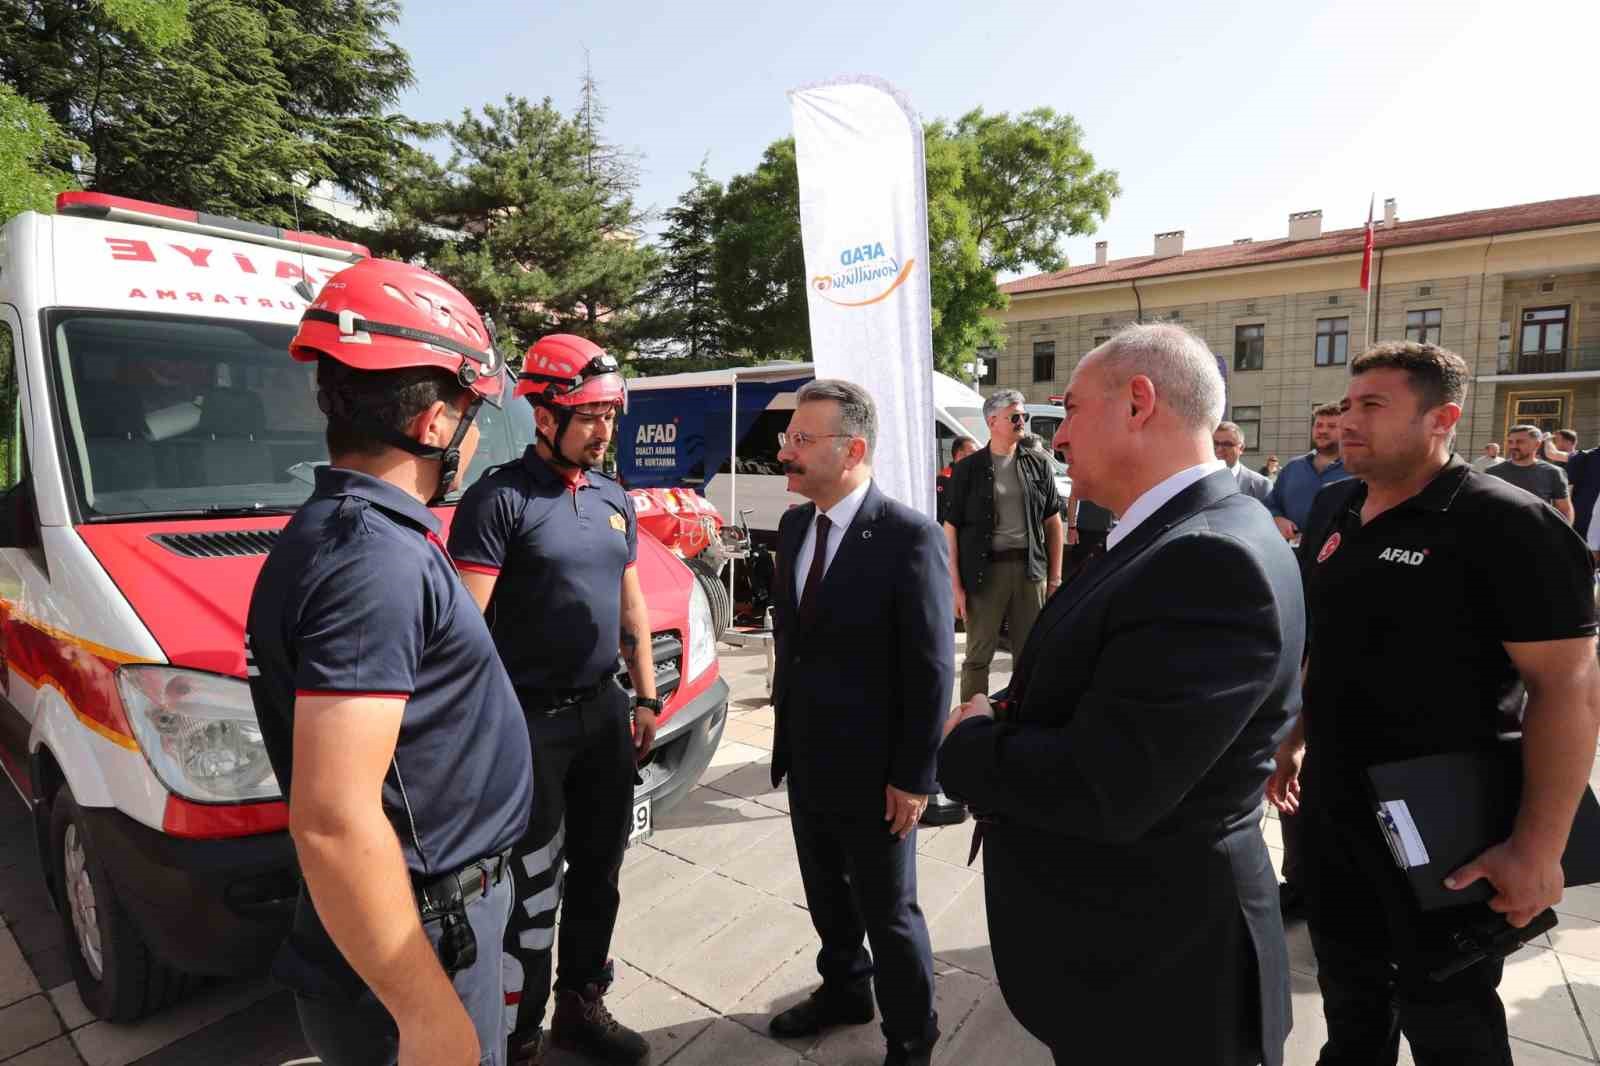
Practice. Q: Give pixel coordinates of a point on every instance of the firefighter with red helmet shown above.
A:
(394, 730)
(547, 545)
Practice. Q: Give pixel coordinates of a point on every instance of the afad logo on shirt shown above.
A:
(1401, 555)
(619, 523)
(1329, 546)
(867, 274)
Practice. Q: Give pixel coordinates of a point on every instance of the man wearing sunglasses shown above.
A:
(1002, 521)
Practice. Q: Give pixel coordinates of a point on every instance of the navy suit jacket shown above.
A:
(1127, 865)
(862, 683)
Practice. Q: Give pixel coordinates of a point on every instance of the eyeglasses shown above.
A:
(1223, 444)
(801, 439)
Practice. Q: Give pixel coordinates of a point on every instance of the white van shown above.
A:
(154, 438)
(679, 433)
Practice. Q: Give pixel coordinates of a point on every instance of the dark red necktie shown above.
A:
(819, 563)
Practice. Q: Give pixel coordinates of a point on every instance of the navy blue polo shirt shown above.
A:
(558, 550)
(358, 597)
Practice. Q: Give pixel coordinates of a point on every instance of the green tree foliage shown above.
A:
(530, 221)
(1003, 193)
(687, 322)
(228, 106)
(27, 139)
(759, 262)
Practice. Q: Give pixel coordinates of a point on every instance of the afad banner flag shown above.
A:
(864, 224)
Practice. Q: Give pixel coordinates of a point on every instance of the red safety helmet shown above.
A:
(381, 314)
(569, 371)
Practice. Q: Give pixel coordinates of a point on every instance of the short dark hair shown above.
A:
(1327, 410)
(1568, 434)
(1437, 375)
(388, 398)
(963, 442)
(1533, 431)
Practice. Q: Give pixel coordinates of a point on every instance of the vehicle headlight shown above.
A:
(702, 650)
(199, 732)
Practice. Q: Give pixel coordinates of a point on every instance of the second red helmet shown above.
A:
(570, 371)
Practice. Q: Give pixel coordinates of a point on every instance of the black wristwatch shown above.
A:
(647, 703)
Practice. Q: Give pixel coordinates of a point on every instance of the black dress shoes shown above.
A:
(942, 810)
(824, 1009)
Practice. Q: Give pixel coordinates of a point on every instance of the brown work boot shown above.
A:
(528, 1050)
(584, 1025)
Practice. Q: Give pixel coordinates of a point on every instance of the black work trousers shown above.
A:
(582, 807)
(1374, 949)
(861, 888)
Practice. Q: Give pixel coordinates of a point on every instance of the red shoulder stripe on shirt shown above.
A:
(478, 568)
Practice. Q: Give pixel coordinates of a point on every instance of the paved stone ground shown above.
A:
(712, 939)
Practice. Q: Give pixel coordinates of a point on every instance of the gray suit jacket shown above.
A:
(1252, 483)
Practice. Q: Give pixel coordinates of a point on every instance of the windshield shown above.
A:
(176, 415)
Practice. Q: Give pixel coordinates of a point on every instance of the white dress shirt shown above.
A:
(840, 515)
(1154, 499)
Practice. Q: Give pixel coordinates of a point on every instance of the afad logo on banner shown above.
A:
(867, 275)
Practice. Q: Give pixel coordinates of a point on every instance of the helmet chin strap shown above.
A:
(448, 457)
(563, 417)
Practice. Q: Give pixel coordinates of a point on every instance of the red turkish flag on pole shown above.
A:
(1366, 250)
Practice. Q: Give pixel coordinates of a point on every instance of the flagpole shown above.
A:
(1366, 272)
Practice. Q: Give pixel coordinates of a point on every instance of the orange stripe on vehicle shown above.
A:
(98, 650)
(121, 740)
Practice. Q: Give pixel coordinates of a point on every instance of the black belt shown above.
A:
(437, 895)
(556, 699)
(1009, 555)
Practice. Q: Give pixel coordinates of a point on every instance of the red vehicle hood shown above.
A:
(196, 607)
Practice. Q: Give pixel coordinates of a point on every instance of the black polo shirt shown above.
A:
(358, 598)
(1409, 614)
(558, 550)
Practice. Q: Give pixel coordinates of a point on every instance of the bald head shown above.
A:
(1179, 365)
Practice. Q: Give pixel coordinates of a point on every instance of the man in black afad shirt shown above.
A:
(1444, 606)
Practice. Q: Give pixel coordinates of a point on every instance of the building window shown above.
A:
(1544, 331)
(1333, 341)
(1249, 346)
(1099, 340)
(1044, 360)
(1249, 421)
(1423, 326)
(1549, 411)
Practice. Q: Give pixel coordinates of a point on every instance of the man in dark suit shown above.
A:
(1123, 779)
(1228, 440)
(865, 661)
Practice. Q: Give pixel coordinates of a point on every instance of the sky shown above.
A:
(1220, 118)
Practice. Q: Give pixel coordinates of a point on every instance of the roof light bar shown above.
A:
(144, 213)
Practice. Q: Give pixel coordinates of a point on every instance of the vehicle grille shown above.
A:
(232, 543)
(668, 652)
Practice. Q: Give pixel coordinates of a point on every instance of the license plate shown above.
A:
(640, 828)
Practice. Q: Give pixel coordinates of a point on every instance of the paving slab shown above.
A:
(951, 844)
(991, 1035)
(681, 924)
(16, 977)
(754, 782)
(26, 1024)
(69, 1004)
(58, 1052)
(1539, 1006)
(710, 828)
(654, 879)
(961, 934)
(722, 970)
(940, 885)
(667, 1018)
(731, 756)
(1583, 902)
(106, 1044)
(726, 1043)
(1574, 935)
(770, 866)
